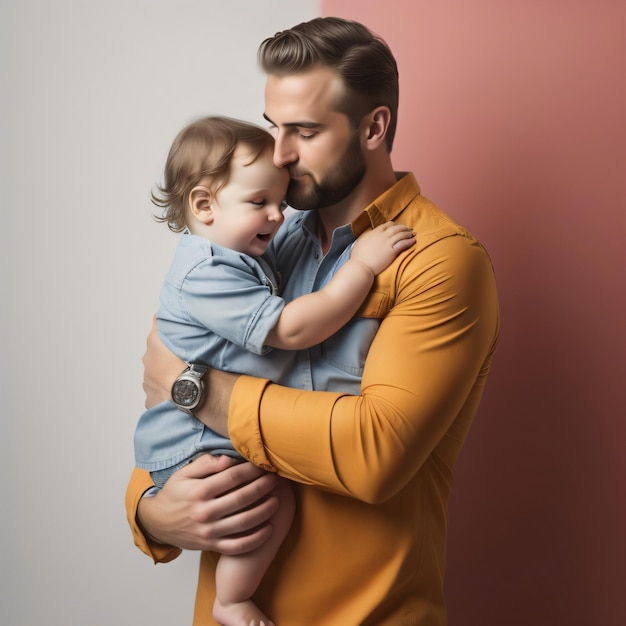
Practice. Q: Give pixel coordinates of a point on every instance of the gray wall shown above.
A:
(93, 93)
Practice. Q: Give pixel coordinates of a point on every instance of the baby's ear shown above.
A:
(200, 203)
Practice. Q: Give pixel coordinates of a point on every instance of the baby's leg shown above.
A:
(238, 577)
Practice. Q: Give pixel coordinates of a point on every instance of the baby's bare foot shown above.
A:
(240, 614)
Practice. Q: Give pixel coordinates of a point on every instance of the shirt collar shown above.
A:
(342, 236)
(389, 204)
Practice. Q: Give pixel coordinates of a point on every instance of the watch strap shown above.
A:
(196, 368)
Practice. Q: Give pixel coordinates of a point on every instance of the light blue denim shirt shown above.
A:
(217, 307)
(337, 363)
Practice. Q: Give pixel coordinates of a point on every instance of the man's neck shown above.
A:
(345, 212)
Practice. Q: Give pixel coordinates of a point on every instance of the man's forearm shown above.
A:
(214, 410)
(161, 367)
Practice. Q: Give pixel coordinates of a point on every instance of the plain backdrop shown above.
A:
(92, 95)
(512, 117)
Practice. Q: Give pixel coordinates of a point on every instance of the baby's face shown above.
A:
(248, 210)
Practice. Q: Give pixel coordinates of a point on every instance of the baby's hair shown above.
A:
(203, 149)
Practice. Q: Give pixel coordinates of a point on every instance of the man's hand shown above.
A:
(161, 367)
(212, 504)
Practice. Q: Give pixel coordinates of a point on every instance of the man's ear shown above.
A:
(376, 126)
(200, 198)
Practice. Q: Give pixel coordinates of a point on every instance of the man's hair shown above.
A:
(361, 59)
(203, 149)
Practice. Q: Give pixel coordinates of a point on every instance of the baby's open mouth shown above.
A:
(264, 236)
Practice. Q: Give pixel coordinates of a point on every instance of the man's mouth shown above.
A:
(294, 174)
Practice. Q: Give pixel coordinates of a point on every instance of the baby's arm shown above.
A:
(314, 317)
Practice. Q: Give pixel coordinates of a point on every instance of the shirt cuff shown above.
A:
(139, 485)
(244, 426)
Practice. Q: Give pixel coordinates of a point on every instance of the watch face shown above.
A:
(185, 392)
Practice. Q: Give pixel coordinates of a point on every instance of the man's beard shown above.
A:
(337, 184)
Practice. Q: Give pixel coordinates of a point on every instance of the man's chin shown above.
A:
(298, 199)
(300, 204)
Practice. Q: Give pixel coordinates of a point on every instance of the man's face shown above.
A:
(317, 145)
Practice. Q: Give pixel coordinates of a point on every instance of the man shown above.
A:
(373, 470)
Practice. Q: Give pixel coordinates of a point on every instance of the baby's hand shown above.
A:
(379, 247)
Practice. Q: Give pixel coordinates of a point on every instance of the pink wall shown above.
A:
(513, 117)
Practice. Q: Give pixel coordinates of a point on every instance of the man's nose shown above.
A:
(284, 151)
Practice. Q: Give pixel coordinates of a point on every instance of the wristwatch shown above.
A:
(188, 388)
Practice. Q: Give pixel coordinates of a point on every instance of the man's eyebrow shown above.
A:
(295, 124)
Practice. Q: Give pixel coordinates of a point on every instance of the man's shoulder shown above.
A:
(430, 222)
(405, 204)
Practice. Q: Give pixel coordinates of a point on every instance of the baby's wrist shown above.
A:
(363, 267)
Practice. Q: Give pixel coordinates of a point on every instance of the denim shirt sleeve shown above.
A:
(225, 292)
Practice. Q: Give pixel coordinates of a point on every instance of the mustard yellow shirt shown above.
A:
(374, 471)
